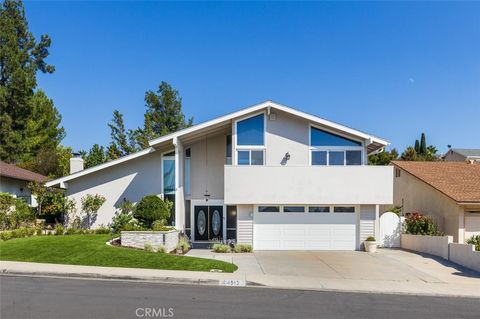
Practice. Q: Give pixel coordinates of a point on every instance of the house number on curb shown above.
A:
(232, 283)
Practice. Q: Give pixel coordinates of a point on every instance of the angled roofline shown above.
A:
(278, 106)
(257, 107)
(61, 180)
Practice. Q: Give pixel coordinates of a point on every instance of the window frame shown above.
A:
(250, 156)
(327, 149)
(236, 147)
(167, 156)
(331, 208)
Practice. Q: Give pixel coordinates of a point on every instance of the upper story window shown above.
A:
(250, 141)
(250, 132)
(331, 149)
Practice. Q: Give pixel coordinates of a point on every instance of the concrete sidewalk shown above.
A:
(251, 279)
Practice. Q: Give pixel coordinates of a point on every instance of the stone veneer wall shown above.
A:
(138, 239)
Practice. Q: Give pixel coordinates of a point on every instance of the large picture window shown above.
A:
(250, 132)
(330, 149)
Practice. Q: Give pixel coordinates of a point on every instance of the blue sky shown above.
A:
(391, 69)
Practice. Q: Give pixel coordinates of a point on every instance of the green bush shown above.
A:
(39, 231)
(221, 248)
(183, 244)
(417, 224)
(474, 240)
(370, 238)
(161, 249)
(152, 208)
(102, 230)
(243, 248)
(59, 229)
(159, 225)
(123, 217)
(14, 212)
(6, 235)
(31, 231)
(148, 247)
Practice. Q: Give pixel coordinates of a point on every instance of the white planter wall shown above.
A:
(433, 245)
(465, 255)
(138, 239)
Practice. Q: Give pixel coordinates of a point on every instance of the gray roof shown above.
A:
(467, 152)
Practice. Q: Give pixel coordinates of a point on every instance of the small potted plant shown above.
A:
(370, 244)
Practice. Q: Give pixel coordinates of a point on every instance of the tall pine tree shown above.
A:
(28, 120)
(119, 135)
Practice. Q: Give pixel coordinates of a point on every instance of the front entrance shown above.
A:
(208, 222)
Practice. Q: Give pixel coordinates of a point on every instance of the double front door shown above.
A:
(208, 222)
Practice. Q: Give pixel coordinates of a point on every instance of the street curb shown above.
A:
(211, 282)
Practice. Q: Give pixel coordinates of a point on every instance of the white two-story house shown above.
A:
(267, 175)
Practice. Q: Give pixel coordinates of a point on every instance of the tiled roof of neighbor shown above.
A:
(458, 180)
(10, 170)
(467, 151)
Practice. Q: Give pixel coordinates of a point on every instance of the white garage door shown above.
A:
(304, 231)
(472, 224)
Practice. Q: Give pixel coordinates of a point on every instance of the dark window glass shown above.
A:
(336, 158)
(268, 209)
(319, 158)
(231, 217)
(354, 157)
(231, 234)
(187, 214)
(229, 146)
(344, 209)
(293, 209)
(250, 131)
(323, 138)
(257, 157)
(243, 158)
(319, 209)
(187, 152)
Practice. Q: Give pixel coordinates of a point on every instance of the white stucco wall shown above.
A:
(130, 180)
(308, 185)
(416, 195)
(290, 134)
(203, 176)
(16, 187)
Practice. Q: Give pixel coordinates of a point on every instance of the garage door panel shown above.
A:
(304, 232)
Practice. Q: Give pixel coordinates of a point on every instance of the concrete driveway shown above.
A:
(387, 265)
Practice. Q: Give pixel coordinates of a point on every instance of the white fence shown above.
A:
(390, 229)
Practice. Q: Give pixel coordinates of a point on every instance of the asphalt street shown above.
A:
(51, 298)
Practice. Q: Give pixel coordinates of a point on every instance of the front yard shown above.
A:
(91, 250)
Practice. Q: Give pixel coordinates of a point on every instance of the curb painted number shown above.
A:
(232, 283)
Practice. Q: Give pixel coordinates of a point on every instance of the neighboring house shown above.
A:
(447, 191)
(14, 180)
(267, 175)
(462, 154)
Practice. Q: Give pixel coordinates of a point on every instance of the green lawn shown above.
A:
(91, 250)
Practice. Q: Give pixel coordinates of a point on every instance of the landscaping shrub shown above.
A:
(6, 235)
(243, 248)
(90, 206)
(148, 247)
(159, 225)
(123, 217)
(39, 231)
(59, 229)
(14, 212)
(183, 244)
(102, 230)
(417, 224)
(71, 231)
(161, 249)
(370, 238)
(474, 240)
(220, 247)
(152, 208)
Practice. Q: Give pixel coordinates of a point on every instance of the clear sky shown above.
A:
(391, 69)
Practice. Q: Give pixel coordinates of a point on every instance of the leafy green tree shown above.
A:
(163, 116)
(383, 157)
(21, 57)
(95, 156)
(409, 154)
(423, 145)
(417, 146)
(119, 135)
(90, 206)
(50, 162)
(112, 152)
